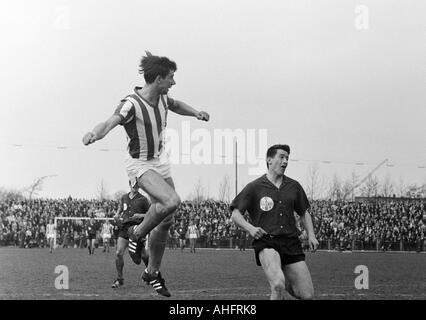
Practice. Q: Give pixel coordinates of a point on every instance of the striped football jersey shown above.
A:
(144, 124)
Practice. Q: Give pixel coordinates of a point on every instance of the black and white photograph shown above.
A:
(232, 151)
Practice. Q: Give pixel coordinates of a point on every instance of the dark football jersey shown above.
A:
(138, 204)
(91, 229)
(182, 232)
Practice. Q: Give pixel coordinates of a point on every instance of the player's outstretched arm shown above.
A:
(101, 130)
(238, 219)
(184, 109)
(306, 220)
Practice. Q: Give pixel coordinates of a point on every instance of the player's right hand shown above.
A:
(202, 115)
(89, 138)
(257, 232)
(313, 243)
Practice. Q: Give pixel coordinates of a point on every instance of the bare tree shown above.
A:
(423, 188)
(354, 181)
(10, 194)
(370, 187)
(225, 189)
(208, 192)
(118, 194)
(198, 192)
(313, 180)
(347, 189)
(401, 187)
(102, 193)
(387, 187)
(335, 189)
(37, 186)
(413, 190)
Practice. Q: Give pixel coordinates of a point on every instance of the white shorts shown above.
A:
(106, 236)
(192, 236)
(137, 167)
(50, 236)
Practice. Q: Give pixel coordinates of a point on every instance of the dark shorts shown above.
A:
(122, 231)
(289, 249)
(91, 237)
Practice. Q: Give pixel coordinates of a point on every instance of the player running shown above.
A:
(50, 234)
(143, 114)
(271, 201)
(132, 210)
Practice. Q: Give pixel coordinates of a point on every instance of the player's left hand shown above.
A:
(202, 115)
(89, 138)
(313, 243)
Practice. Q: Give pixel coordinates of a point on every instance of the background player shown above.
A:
(133, 207)
(91, 235)
(115, 233)
(271, 201)
(242, 239)
(173, 238)
(107, 230)
(193, 235)
(50, 234)
(181, 230)
(143, 114)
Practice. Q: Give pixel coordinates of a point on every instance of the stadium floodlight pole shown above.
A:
(236, 169)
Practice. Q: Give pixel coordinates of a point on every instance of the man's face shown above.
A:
(134, 188)
(164, 84)
(278, 163)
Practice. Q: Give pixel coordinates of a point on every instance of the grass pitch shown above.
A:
(208, 274)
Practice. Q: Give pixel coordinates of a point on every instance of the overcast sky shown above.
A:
(336, 81)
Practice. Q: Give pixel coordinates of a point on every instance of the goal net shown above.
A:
(72, 230)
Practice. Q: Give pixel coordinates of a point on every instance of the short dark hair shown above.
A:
(272, 151)
(153, 66)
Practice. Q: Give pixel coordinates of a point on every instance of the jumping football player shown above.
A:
(143, 113)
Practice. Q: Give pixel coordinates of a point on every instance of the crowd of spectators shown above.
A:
(382, 224)
(385, 225)
(211, 217)
(23, 222)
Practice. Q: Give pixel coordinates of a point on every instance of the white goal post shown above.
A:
(73, 218)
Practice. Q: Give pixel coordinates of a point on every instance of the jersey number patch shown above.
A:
(266, 204)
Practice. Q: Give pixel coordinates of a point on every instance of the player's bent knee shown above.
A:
(278, 286)
(307, 294)
(172, 204)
